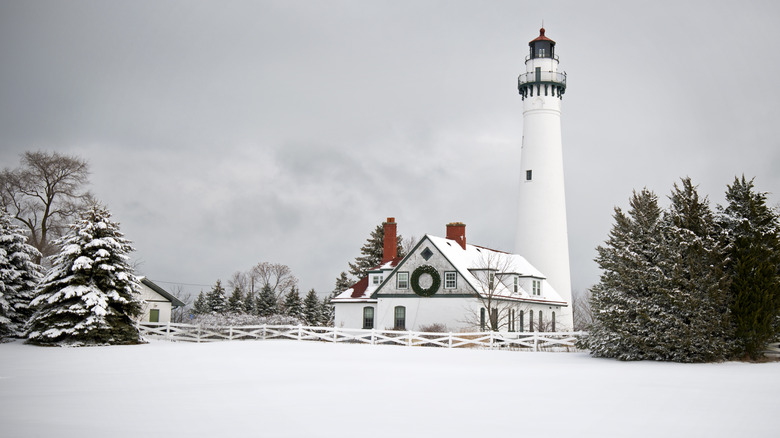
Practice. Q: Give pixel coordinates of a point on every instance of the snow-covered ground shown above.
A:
(310, 389)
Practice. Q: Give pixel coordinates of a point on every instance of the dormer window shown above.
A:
(537, 287)
(517, 284)
(377, 280)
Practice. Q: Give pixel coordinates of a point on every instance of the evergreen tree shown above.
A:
(200, 306)
(327, 311)
(266, 304)
(90, 295)
(249, 303)
(312, 311)
(19, 275)
(628, 320)
(216, 299)
(371, 253)
(695, 265)
(292, 304)
(754, 260)
(235, 303)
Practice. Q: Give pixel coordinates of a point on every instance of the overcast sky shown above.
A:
(225, 133)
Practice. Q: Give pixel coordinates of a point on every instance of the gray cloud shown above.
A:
(224, 134)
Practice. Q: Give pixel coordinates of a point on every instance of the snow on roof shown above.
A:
(360, 290)
(474, 259)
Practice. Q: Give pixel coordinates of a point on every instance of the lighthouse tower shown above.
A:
(541, 226)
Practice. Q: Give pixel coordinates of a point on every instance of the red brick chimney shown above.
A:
(390, 246)
(457, 231)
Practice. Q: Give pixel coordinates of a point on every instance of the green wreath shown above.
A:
(430, 270)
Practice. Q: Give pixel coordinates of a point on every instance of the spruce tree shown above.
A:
(371, 253)
(235, 303)
(695, 263)
(312, 311)
(628, 320)
(19, 275)
(216, 299)
(249, 303)
(91, 295)
(200, 306)
(266, 304)
(752, 232)
(292, 304)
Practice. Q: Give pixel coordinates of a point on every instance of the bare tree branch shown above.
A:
(44, 194)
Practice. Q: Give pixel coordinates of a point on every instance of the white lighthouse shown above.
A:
(542, 237)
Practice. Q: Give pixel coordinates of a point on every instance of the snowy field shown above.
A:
(309, 389)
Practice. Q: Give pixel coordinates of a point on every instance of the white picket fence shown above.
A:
(533, 341)
(773, 349)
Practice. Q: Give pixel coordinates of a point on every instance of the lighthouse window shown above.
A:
(528, 175)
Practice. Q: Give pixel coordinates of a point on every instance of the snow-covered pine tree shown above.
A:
(698, 330)
(372, 253)
(250, 300)
(292, 304)
(627, 317)
(216, 299)
(235, 303)
(312, 311)
(266, 304)
(91, 295)
(753, 235)
(200, 306)
(19, 275)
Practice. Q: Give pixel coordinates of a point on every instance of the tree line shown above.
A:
(264, 303)
(688, 283)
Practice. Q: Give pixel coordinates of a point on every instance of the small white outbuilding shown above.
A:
(157, 303)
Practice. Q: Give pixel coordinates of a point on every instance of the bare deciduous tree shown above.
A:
(583, 313)
(501, 309)
(277, 276)
(181, 314)
(44, 194)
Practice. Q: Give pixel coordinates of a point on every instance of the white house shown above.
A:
(449, 282)
(157, 302)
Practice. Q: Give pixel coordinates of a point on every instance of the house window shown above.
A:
(154, 315)
(494, 319)
(426, 253)
(402, 280)
(528, 175)
(537, 287)
(377, 279)
(450, 280)
(491, 278)
(531, 321)
(517, 281)
(482, 319)
(521, 321)
(368, 317)
(541, 325)
(552, 320)
(511, 320)
(400, 318)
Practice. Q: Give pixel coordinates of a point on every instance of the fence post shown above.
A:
(536, 341)
(449, 340)
(300, 332)
(264, 326)
(373, 336)
(230, 333)
(198, 334)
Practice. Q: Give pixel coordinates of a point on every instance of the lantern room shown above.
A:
(542, 47)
